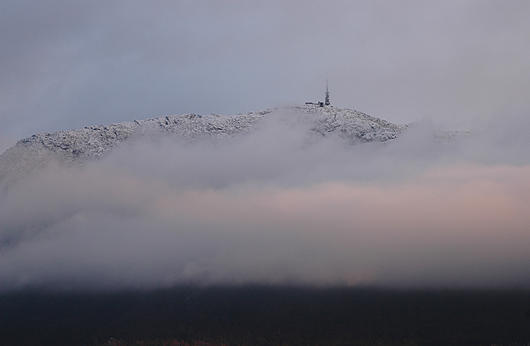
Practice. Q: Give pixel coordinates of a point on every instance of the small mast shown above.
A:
(326, 99)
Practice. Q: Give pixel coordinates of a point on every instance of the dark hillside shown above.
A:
(267, 315)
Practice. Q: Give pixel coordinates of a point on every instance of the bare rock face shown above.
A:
(93, 142)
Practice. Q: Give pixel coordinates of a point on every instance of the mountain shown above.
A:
(93, 142)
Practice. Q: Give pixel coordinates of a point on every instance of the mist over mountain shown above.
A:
(304, 195)
(264, 172)
(94, 142)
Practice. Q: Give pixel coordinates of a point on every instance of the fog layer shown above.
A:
(278, 206)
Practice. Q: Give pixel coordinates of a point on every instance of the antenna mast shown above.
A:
(326, 101)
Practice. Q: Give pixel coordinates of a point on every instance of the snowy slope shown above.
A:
(93, 142)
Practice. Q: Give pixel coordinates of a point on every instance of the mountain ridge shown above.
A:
(94, 142)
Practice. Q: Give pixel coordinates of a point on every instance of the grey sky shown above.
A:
(65, 64)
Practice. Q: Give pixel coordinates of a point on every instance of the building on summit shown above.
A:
(326, 101)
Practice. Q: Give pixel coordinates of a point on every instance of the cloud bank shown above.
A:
(278, 206)
(5, 143)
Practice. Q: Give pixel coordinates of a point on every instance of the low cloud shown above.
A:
(5, 143)
(276, 206)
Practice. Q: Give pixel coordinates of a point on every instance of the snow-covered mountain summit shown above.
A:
(93, 142)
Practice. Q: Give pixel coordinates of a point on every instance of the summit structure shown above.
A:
(326, 99)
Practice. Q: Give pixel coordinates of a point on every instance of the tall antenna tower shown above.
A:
(326, 101)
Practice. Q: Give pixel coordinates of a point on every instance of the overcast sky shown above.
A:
(66, 64)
